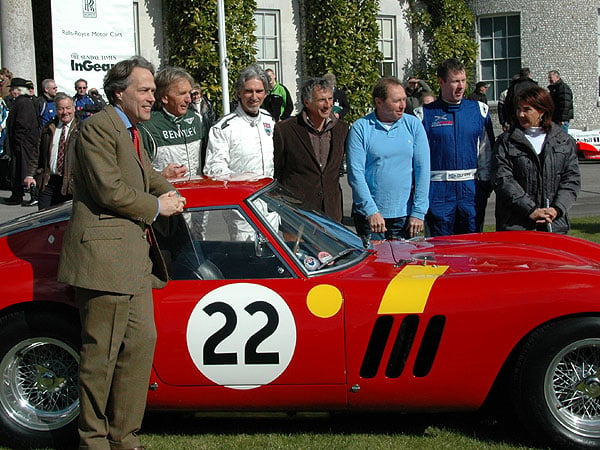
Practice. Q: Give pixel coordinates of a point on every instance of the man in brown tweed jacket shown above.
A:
(105, 256)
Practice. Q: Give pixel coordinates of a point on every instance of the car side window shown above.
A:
(217, 244)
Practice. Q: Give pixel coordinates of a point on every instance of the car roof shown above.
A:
(228, 190)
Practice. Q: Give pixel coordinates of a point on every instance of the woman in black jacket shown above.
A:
(535, 170)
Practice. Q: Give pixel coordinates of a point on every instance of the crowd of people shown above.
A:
(418, 163)
(451, 145)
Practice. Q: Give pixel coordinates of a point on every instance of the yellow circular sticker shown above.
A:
(324, 300)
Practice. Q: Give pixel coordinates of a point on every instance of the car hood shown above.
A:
(489, 252)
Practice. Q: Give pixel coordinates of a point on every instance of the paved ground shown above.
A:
(588, 203)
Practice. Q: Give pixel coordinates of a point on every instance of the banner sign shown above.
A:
(89, 37)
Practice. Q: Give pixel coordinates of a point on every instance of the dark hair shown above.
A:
(447, 66)
(79, 81)
(117, 77)
(380, 90)
(306, 92)
(166, 77)
(524, 72)
(540, 99)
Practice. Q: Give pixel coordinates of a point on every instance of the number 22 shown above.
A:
(251, 356)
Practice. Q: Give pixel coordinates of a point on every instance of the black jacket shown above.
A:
(562, 96)
(523, 181)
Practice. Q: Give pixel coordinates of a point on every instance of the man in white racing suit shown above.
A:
(242, 141)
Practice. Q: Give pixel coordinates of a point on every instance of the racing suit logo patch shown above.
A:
(268, 128)
(441, 121)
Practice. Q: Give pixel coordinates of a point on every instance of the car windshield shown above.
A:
(315, 241)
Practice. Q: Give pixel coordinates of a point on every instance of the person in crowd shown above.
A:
(519, 82)
(480, 92)
(388, 167)
(31, 88)
(6, 77)
(426, 97)
(22, 135)
(460, 135)
(97, 97)
(278, 101)
(205, 111)
(173, 135)
(341, 106)
(45, 103)
(85, 105)
(242, 141)
(562, 96)
(106, 258)
(535, 170)
(414, 88)
(309, 150)
(50, 168)
(4, 156)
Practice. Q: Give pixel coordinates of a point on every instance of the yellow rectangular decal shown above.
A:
(408, 291)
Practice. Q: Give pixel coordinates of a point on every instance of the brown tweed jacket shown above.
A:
(105, 246)
(297, 168)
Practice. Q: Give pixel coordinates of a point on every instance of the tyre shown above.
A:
(556, 383)
(39, 359)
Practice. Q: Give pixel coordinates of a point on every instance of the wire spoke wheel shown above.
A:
(39, 388)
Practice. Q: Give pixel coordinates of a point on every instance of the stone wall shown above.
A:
(558, 35)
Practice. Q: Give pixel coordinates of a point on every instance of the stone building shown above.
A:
(541, 34)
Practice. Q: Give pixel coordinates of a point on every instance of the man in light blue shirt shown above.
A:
(388, 167)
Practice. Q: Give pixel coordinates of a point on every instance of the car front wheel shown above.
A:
(556, 389)
(39, 360)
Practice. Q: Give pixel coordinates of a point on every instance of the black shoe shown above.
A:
(13, 200)
(31, 202)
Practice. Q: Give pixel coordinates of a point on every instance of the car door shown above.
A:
(244, 320)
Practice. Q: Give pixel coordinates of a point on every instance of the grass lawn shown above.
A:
(464, 431)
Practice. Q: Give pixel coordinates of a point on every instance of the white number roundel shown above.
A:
(241, 335)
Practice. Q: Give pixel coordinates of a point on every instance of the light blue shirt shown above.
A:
(388, 167)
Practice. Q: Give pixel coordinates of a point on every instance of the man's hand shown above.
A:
(174, 171)
(377, 223)
(544, 215)
(171, 203)
(29, 181)
(414, 226)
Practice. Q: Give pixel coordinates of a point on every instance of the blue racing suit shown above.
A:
(460, 138)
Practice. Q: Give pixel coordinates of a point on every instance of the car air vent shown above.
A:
(429, 346)
(376, 346)
(402, 346)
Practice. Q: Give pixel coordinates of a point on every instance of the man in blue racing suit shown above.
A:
(460, 138)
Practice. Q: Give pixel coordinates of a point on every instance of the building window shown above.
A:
(500, 46)
(268, 49)
(386, 43)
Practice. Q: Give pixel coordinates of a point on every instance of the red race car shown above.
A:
(588, 144)
(271, 307)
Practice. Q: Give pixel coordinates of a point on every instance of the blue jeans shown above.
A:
(396, 228)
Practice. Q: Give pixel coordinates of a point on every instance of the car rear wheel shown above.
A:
(39, 359)
(556, 383)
